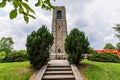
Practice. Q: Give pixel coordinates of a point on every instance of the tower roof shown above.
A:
(60, 6)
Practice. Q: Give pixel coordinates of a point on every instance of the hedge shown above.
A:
(104, 57)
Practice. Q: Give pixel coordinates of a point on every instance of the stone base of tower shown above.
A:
(58, 56)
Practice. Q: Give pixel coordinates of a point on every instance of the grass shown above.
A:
(15, 71)
(100, 70)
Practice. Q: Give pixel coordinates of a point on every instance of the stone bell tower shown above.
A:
(59, 31)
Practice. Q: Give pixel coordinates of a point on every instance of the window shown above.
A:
(59, 15)
(59, 26)
(59, 50)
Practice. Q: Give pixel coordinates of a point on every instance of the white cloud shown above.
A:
(109, 38)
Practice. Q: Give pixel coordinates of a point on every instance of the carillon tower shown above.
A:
(59, 31)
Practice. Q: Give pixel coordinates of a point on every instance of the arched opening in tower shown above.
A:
(59, 14)
(59, 50)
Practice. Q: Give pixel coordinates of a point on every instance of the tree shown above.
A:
(91, 50)
(6, 44)
(76, 44)
(117, 29)
(38, 44)
(109, 46)
(2, 55)
(23, 7)
(118, 46)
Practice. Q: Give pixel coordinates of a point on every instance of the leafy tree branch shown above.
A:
(23, 7)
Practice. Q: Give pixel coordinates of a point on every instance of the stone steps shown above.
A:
(58, 77)
(57, 66)
(59, 69)
(58, 72)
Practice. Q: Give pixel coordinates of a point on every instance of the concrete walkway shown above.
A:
(59, 64)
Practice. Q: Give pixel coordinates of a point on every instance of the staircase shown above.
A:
(58, 72)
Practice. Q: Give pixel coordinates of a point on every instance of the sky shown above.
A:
(95, 17)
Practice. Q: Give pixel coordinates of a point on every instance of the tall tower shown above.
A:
(59, 31)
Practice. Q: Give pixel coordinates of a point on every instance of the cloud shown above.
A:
(109, 38)
(3, 13)
(95, 17)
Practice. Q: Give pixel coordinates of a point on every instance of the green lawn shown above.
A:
(100, 70)
(15, 71)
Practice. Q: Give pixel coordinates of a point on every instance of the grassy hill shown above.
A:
(100, 70)
(15, 71)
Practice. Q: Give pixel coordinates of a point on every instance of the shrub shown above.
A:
(16, 56)
(38, 44)
(76, 44)
(104, 57)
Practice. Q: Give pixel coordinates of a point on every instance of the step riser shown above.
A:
(58, 73)
(59, 79)
(57, 66)
(58, 70)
